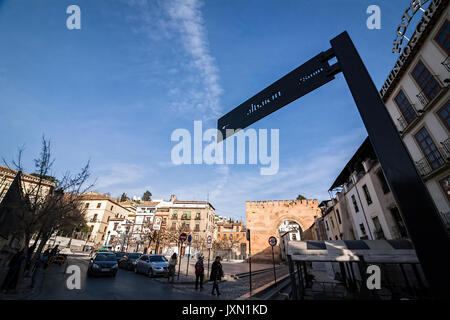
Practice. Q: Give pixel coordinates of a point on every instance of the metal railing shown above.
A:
(446, 63)
(404, 123)
(445, 216)
(423, 165)
(185, 218)
(379, 234)
(423, 98)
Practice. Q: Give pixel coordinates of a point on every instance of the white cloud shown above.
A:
(182, 21)
(114, 175)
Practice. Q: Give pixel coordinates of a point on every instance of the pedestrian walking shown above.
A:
(199, 273)
(12, 276)
(172, 264)
(216, 275)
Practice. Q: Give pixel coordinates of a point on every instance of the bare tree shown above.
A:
(47, 207)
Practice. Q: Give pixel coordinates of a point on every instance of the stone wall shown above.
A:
(264, 217)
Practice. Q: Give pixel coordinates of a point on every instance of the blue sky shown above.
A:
(114, 91)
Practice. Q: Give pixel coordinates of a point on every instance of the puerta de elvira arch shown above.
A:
(418, 211)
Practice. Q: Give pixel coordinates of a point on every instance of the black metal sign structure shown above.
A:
(417, 208)
(297, 83)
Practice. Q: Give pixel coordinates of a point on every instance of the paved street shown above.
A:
(126, 285)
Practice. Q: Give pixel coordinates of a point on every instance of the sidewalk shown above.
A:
(231, 271)
(26, 291)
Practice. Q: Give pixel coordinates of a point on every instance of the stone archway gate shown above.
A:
(264, 218)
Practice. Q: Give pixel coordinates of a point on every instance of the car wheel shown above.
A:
(150, 272)
(114, 274)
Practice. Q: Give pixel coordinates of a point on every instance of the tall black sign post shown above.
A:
(249, 259)
(418, 211)
(273, 242)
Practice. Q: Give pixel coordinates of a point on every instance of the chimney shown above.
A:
(172, 198)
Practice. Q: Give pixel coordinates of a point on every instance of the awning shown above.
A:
(374, 251)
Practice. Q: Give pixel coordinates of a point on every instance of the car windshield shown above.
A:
(158, 259)
(133, 255)
(105, 257)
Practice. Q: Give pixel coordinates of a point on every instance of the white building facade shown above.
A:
(417, 98)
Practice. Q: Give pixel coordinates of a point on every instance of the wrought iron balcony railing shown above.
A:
(446, 146)
(379, 235)
(423, 98)
(185, 218)
(446, 63)
(424, 166)
(404, 123)
(445, 216)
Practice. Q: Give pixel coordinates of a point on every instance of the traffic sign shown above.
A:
(208, 245)
(183, 237)
(273, 241)
(157, 223)
(209, 240)
(189, 239)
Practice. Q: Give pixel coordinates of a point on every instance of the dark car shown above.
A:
(103, 263)
(129, 260)
(119, 255)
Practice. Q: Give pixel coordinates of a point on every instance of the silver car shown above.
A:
(152, 265)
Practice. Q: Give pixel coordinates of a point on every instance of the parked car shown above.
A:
(128, 260)
(119, 255)
(152, 265)
(103, 263)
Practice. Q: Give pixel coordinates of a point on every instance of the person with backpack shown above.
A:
(199, 273)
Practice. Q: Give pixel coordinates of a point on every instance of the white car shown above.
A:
(152, 265)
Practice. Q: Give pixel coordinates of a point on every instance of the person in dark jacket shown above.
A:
(199, 273)
(13, 272)
(216, 275)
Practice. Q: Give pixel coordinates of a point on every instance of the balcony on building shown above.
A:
(185, 217)
(445, 217)
(446, 63)
(430, 93)
(197, 229)
(426, 168)
(405, 122)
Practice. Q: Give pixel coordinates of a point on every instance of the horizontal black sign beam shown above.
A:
(306, 78)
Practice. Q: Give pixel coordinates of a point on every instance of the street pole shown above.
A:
(274, 273)
(209, 255)
(250, 264)
(157, 243)
(189, 256)
(179, 265)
